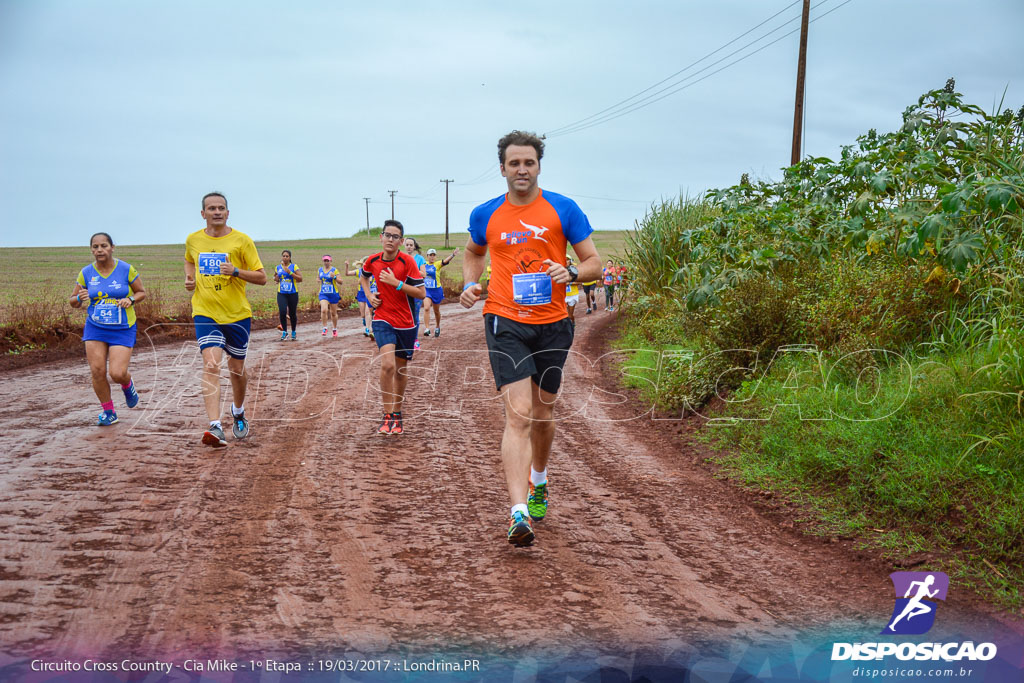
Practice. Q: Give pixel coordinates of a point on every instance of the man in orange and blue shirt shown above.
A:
(525, 322)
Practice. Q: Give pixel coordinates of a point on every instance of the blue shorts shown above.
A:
(436, 294)
(361, 296)
(330, 298)
(232, 337)
(404, 340)
(124, 336)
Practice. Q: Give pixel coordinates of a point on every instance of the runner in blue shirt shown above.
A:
(286, 275)
(329, 296)
(435, 293)
(112, 288)
(364, 303)
(412, 248)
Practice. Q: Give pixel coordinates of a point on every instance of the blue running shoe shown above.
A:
(520, 531)
(239, 425)
(293, 335)
(131, 396)
(106, 418)
(284, 335)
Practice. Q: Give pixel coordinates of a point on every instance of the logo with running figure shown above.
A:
(916, 593)
(537, 231)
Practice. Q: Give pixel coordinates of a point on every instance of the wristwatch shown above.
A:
(235, 274)
(132, 300)
(574, 273)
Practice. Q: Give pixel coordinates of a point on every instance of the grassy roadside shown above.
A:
(891, 457)
(858, 327)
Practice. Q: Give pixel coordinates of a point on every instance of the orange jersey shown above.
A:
(520, 239)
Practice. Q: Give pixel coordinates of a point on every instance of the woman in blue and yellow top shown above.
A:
(329, 296)
(112, 288)
(286, 275)
(364, 302)
(435, 293)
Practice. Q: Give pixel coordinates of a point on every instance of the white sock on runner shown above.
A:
(520, 507)
(236, 411)
(538, 478)
(215, 423)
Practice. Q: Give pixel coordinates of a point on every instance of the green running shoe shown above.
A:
(537, 501)
(520, 531)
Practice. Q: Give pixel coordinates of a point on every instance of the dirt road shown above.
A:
(316, 534)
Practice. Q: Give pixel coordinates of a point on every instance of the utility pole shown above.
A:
(394, 192)
(798, 112)
(446, 245)
(367, 200)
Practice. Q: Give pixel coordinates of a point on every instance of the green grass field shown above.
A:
(38, 295)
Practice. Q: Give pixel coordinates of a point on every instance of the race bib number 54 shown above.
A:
(107, 313)
(531, 289)
(209, 262)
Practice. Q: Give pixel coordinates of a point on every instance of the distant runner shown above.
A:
(286, 275)
(525, 322)
(608, 276)
(112, 288)
(329, 297)
(364, 305)
(219, 261)
(435, 293)
(572, 295)
(399, 284)
(412, 248)
(588, 293)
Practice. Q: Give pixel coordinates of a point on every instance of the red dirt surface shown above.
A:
(315, 533)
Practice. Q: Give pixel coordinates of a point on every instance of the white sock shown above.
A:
(215, 423)
(235, 412)
(538, 478)
(519, 507)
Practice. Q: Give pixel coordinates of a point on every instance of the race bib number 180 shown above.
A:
(531, 289)
(209, 262)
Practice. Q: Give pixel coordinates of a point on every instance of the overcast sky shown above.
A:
(119, 116)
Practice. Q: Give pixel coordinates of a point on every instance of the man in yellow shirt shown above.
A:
(219, 261)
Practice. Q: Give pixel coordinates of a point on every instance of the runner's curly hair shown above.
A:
(518, 137)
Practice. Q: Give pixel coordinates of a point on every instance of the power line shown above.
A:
(557, 131)
(653, 97)
(649, 102)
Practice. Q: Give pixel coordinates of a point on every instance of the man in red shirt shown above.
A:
(399, 281)
(525, 322)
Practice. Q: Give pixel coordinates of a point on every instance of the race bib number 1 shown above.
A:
(531, 289)
(209, 263)
(105, 313)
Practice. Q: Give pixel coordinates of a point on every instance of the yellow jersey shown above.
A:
(221, 297)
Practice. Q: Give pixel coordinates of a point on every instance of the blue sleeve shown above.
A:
(479, 219)
(575, 225)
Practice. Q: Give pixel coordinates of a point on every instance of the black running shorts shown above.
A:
(518, 350)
